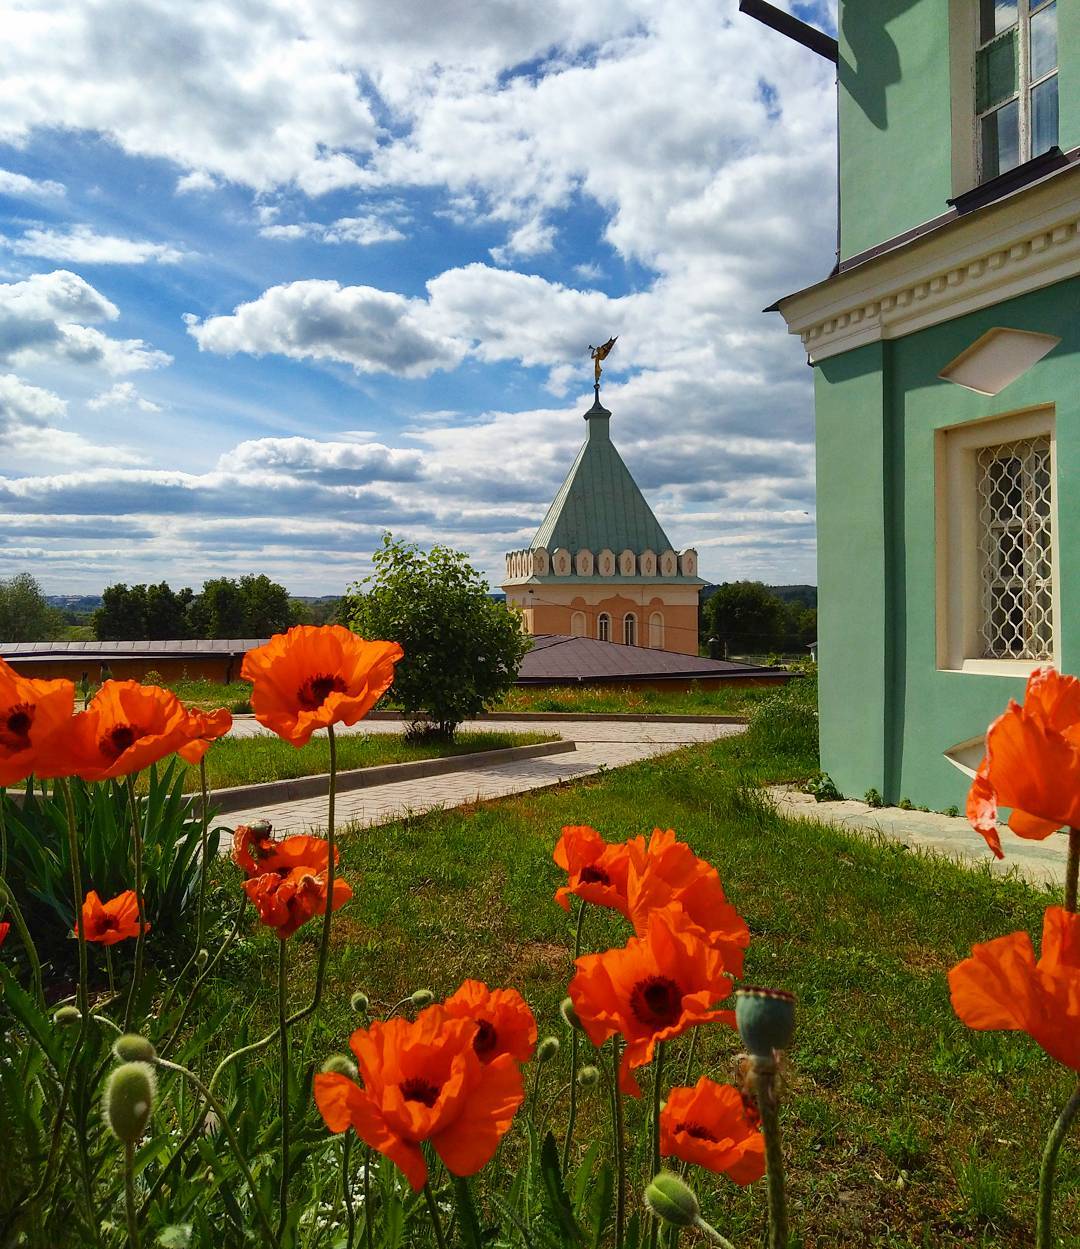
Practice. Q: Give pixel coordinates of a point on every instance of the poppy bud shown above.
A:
(5, 896)
(671, 1200)
(765, 1019)
(132, 1048)
(360, 1003)
(201, 959)
(422, 998)
(340, 1064)
(588, 1077)
(570, 1016)
(128, 1101)
(67, 1016)
(547, 1049)
(261, 828)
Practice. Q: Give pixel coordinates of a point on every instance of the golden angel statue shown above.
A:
(601, 353)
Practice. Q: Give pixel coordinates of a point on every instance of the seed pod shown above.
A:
(422, 998)
(128, 1101)
(588, 1077)
(132, 1048)
(765, 1019)
(672, 1200)
(360, 1003)
(547, 1049)
(67, 1017)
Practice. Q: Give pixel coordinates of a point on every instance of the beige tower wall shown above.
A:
(664, 616)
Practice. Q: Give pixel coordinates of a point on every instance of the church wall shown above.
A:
(553, 609)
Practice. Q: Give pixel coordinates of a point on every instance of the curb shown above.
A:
(575, 716)
(241, 797)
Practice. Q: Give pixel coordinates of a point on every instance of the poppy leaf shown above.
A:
(558, 1202)
(600, 1205)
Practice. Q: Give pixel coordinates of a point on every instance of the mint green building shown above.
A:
(947, 389)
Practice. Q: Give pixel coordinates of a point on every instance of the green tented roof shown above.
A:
(599, 504)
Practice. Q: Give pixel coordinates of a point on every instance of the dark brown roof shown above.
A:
(13, 652)
(558, 657)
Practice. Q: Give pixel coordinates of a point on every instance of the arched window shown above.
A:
(603, 627)
(577, 624)
(629, 629)
(656, 630)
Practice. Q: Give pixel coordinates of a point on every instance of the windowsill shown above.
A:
(1021, 669)
(1012, 180)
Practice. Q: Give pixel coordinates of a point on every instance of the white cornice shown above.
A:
(1021, 244)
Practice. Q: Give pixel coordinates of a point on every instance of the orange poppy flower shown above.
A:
(32, 716)
(126, 727)
(667, 871)
(1032, 763)
(106, 923)
(596, 869)
(257, 852)
(424, 1081)
(317, 675)
(287, 899)
(205, 727)
(4, 930)
(708, 1125)
(504, 1022)
(1001, 986)
(650, 990)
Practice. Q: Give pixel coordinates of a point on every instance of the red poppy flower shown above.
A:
(666, 871)
(651, 990)
(286, 900)
(33, 718)
(257, 852)
(708, 1125)
(1032, 763)
(317, 675)
(1002, 986)
(596, 869)
(4, 930)
(504, 1022)
(106, 923)
(204, 727)
(423, 1081)
(126, 727)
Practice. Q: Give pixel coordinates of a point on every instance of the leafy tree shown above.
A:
(266, 607)
(218, 612)
(166, 611)
(25, 616)
(462, 649)
(747, 616)
(122, 614)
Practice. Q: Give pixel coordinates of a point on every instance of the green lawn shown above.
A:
(903, 1127)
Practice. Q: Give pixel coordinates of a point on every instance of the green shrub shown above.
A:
(822, 787)
(785, 725)
(873, 799)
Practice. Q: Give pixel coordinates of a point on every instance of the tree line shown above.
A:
(749, 617)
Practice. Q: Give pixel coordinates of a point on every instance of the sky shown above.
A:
(277, 276)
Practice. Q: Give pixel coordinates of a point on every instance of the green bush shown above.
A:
(785, 724)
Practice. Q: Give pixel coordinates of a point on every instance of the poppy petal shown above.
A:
(469, 1143)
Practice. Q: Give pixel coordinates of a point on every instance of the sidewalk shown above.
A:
(1040, 862)
(600, 745)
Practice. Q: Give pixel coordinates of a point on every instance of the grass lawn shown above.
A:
(247, 760)
(903, 1128)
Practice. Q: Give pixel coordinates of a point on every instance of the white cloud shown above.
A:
(197, 180)
(81, 245)
(29, 188)
(122, 395)
(534, 238)
(22, 405)
(365, 229)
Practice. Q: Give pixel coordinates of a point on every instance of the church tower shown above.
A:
(600, 565)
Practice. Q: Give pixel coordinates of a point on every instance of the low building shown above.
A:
(600, 565)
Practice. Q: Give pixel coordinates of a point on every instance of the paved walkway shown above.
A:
(1041, 862)
(600, 745)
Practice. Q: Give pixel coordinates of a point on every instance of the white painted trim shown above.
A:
(1022, 243)
(956, 509)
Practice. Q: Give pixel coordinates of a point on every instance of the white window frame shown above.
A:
(603, 627)
(959, 598)
(656, 630)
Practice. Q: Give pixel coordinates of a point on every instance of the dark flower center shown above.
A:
(15, 729)
(696, 1131)
(315, 690)
(657, 1001)
(486, 1038)
(109, 923)
(417, 1089)
(118, 739)
(594, 876)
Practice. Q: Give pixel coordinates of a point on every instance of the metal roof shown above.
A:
(559, 657)
(599, 504)
(164, 648)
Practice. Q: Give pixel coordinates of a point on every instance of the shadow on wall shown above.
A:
(877, 61)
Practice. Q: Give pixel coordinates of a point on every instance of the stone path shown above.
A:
(1041, 862)
(600, 745)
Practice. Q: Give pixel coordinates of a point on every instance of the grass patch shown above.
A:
(903, 1127)
(247, 760)
(211, 694)
(726, 701)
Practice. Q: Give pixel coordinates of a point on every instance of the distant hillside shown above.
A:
(804, 594)
(74, 602)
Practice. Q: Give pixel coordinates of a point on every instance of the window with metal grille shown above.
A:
(1016, 82)
(1016, 590)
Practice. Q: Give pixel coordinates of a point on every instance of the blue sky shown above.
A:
(278, 275)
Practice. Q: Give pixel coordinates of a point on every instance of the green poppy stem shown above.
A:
(129, 1195)
(283, 1038)
(571, 1121)
(137, 845)
(620, 1153)
(346, 1190)
(709, 1231)
(658, 1088)
(764, 1074)
(1044, 1238)
(369, 1230)
(13, 908)
(1072, 869)
(433, 1210)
